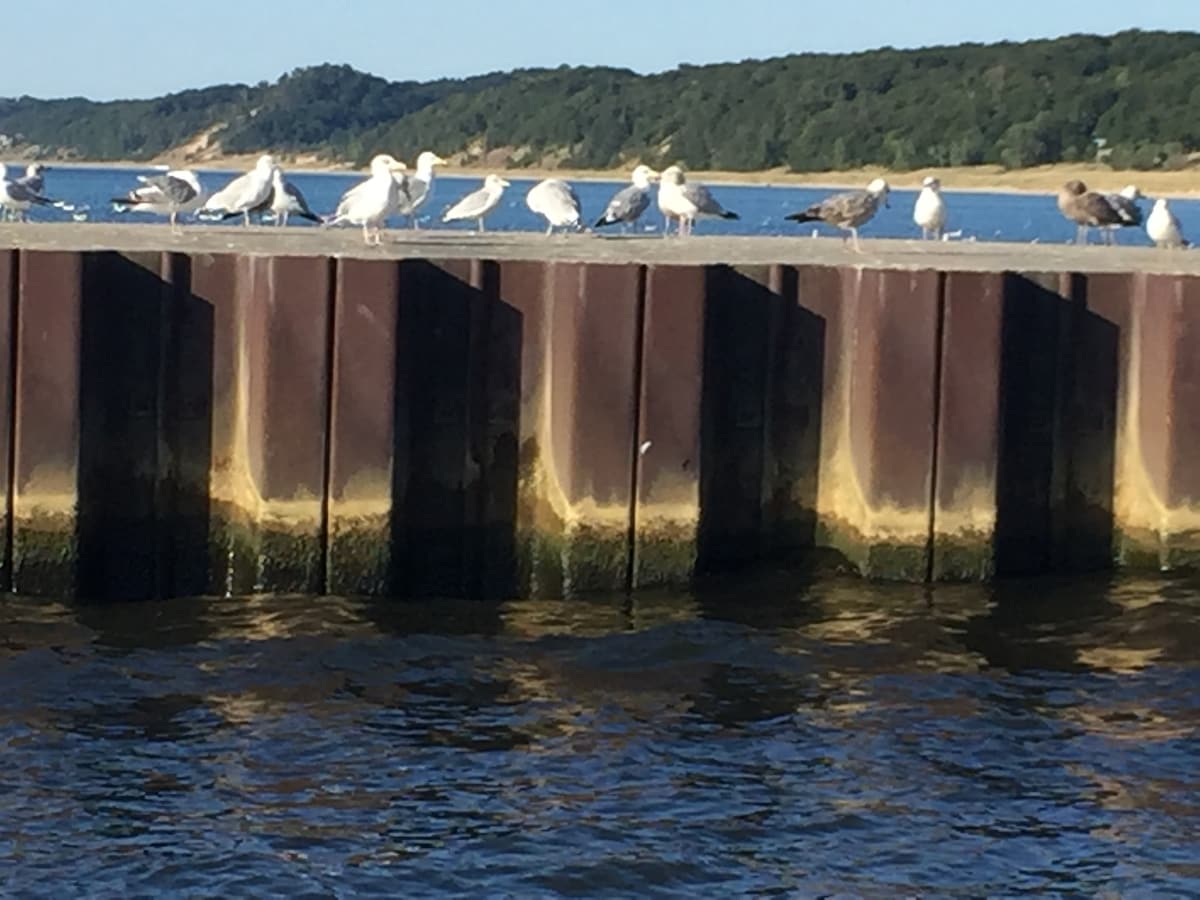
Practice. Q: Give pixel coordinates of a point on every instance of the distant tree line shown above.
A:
(1132, 98)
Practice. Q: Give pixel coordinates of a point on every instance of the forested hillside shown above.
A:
(1135, 95)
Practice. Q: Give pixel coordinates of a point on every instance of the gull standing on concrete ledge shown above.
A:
(556, 202)
(286, 200)
(628, 204)
(175, 192)
(930, 210)
(1127, 210)
(848, 212)
(370, 202)
(1163, 228)
(34, 177)
(687, 202)
(478, 204)
(246, 192)
(1086, 209)
(16, 198)
(415, 189)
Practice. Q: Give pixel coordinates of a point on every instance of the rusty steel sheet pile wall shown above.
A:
(223, 423)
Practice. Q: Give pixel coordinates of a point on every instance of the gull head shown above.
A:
(385, 164)
(672, 175)
(187, 175)
(1076, 188)
(265, 164)
(1132, 192)
(35, 169)
(878, 187)
(644, 176)
(495, 183)
(427, 160)
(932, 184)
(1160, 204)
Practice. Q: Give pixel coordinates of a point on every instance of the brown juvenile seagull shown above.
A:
(1086, 209)
(847, 211)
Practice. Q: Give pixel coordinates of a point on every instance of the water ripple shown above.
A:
(746, 740)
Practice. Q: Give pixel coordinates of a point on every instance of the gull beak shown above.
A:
(655, 176)
(398, 167)
(438, 161)
(505, 182)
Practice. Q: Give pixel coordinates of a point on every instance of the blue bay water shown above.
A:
(981, 216)
(762, 738)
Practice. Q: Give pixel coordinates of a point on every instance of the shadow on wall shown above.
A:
(458, 396)
(145, 445)
(1058, 413)
(761, 417)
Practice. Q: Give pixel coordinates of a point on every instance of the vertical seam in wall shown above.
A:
(14, 321)
(635, 469)
(327, 451)
(936, 443)
(480, 392)
(163, 477)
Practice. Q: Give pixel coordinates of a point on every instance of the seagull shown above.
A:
(34, 177)
(285, 200)
(1086, 209)
(849, 211)
(557, 202)
(370, 202)
(677, 199)
(17, 198)
(1163, 227)
(628, 204)
(478, 204)
(246, 192)
(1126, 207)
(416, 188)
(177, 191)
(930, 210)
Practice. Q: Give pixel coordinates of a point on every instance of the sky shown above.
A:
(136, 48)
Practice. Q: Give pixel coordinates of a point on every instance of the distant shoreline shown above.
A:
(966, 179)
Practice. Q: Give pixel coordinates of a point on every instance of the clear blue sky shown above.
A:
(136, 48)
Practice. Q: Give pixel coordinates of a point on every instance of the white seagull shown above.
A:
(370, 202)
(929, 212)
(416, 188)
(556, 202)
(175, 192)
(628, 204)
(679, 199)
(1163, 228)
(246, 192)
(478, 204)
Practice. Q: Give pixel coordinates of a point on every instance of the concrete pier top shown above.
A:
(603, 249)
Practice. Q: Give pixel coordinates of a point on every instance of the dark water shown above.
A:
(753, 739)
(985, 217)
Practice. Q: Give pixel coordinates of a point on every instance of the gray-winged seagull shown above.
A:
(556, 202)
(628, 204)
(685, 201)
(478, 204)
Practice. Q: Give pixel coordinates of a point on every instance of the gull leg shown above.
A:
(366, 234)
(857, 243)
(550, 231)
(480, 221)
